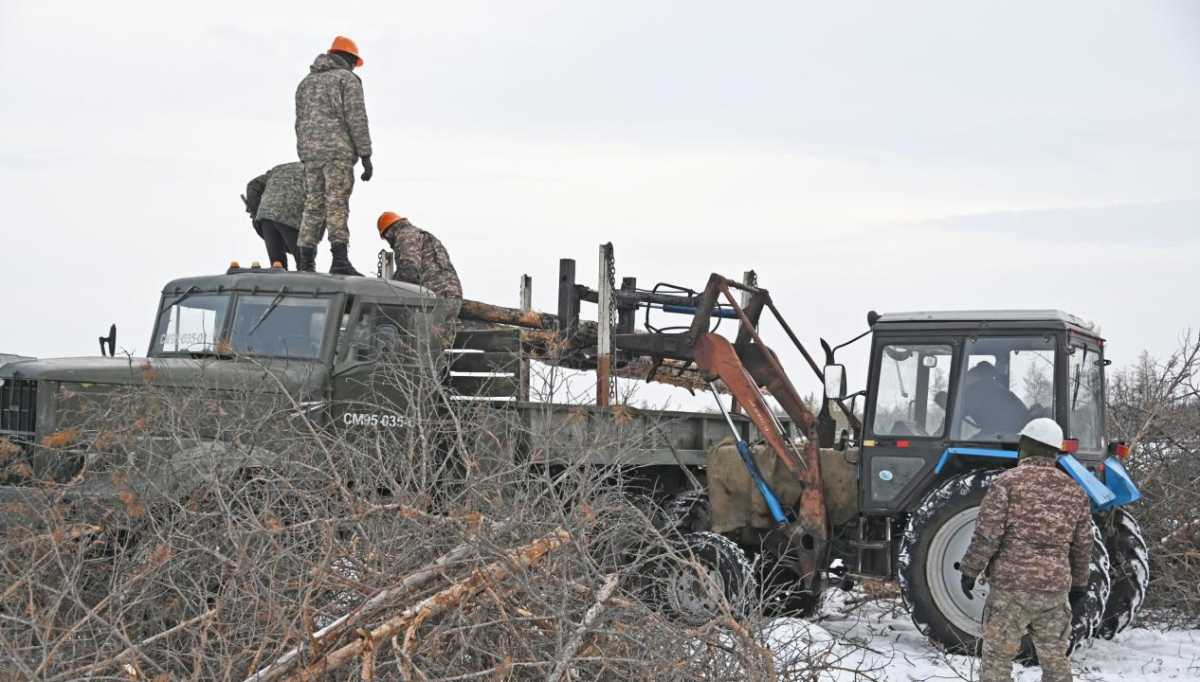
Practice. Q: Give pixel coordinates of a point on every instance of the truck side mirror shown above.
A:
(110, 341)
(835, 382)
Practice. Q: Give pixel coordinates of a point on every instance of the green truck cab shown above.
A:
(316, 338)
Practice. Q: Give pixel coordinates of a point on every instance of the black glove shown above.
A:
(368, 169)
(968, 585)
(1076, 598)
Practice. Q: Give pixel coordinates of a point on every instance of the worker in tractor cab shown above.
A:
(275, 202)
(331, 136)
(989, 405)
(1033, 541)
(421, 259)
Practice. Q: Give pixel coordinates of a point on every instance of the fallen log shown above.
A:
(518, 559)
(335, 630)
(486, 312)
(576, 641)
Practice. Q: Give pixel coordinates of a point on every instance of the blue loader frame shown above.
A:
(1117, 489)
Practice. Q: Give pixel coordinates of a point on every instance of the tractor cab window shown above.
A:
(1086, 393)
(911, 395)
(1006, 381)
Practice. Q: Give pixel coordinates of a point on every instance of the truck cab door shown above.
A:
(373, 380)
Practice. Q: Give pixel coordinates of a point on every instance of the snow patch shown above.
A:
(878, 639)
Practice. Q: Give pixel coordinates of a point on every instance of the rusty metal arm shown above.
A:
(716, 354)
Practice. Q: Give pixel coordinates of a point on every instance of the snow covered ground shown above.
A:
(878, 639)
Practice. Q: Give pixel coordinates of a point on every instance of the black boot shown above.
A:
(341, 262)
(306, 260)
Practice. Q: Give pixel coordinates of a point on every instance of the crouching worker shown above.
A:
(1033, 538)
(421, 259)
(275, 202)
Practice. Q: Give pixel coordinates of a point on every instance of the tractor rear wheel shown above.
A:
(935, 540)
(1130, 571)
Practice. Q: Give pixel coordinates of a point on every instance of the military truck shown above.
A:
(894, 495)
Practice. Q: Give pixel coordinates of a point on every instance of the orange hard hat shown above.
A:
(386, 220)
(344, 44)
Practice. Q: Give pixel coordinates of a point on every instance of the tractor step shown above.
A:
(874, 546)
(871, 544)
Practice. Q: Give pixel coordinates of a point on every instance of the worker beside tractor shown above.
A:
(331, 136)
(275, 202)
(1033, 541)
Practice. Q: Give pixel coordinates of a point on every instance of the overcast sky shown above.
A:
(887, 156)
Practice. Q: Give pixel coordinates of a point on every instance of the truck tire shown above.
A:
(1130, 571)
(707, 572)
(934, 541)
(688, 511)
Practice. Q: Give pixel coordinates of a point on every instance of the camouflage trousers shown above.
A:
(327, 187)
(445, 327)
(1006, 616)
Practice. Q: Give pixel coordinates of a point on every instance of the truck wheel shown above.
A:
(708, 571)
(781, 596)
(1130, 571)
(936, 538)
(689, 511)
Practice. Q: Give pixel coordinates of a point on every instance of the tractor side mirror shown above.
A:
(835, 382)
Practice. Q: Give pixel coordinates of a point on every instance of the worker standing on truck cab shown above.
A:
(331, 135)
(1033, 540)
(421, 259)
(275, 202)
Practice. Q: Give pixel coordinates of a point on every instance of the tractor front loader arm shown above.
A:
(745, 367)
(803, 543)
(714, 354)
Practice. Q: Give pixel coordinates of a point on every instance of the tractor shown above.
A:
(946, 394)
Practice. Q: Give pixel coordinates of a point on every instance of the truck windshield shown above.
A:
(1086, 393)
(192, 325)
(1006, 382)
(279, 326)
(268, 325)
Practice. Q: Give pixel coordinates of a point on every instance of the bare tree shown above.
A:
(1155, 407)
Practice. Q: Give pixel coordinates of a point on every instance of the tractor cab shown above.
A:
(948, 391)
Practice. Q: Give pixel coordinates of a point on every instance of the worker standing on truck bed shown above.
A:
(331, 135)
(275, 202)
(421, 259)
(1033, 538)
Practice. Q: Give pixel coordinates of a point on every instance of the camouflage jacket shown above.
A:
(421, 259)
(278, 195)
(331, 118)
(1034, 530)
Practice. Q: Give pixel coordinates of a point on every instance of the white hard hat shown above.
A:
(1045, 431)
